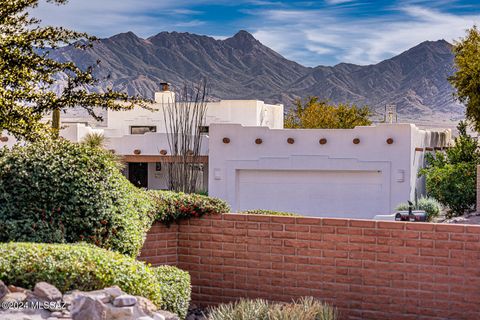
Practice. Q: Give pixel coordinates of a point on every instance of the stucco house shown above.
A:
(252, 162)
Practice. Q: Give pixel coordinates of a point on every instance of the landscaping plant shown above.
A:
(431, 206)
(62, 192)
(270, 212)
(307, 308)
(451, 176)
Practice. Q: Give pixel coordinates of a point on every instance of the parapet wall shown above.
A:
(368, 269)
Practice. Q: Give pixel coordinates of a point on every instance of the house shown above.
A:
(248, 159)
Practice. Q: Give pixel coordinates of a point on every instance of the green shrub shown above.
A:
(269, 212)
(454, 185)
(451, 177)
(175, 288)
(305, 309)
(430, 205)
(174, 206)
(77, 266)
(62, 192)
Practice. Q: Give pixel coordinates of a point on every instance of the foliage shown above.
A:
(174, 206)
(317, 114)
(94, 140)
(58, 191)
(78, 266)
(466, 79)
(269, 212)
(175, 288)
(27, 72)
(451, 177)
(306, 309)
(431, 206)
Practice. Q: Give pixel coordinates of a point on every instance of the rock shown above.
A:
(124, 300)
(114, 291)
(17, 289)
(56, 314)
(88, 308)
(165, 315)
(52, 318)
(3, 290)
(146, 306)
(46, 291)
(145, 318)
(15, 297)
(124, 313)
(158, 316)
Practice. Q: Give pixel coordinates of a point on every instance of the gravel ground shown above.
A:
(196, 313)
(470, 218)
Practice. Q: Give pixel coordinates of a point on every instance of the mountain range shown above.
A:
(241, 67)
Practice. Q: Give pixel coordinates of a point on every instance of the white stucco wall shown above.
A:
(337, 179)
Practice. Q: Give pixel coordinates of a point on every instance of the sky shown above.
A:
(312, 33)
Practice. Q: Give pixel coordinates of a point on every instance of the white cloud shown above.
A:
(363, 41)
(337, 1)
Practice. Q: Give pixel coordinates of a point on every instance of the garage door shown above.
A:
(355, 194)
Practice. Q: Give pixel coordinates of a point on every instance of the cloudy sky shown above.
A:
(310, 32)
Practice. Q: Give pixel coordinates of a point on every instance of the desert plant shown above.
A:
(431, 206)
(270, 212)
(58, 191)
(307, 308)
(174, 206)
(94, 140)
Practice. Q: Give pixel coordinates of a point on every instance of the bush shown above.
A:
(269, 212)
(58, 191)
(454, 186)
(77, 266)
(175, 288)
(174, 206)
(305, 309)
(430, 205)
(451, 177)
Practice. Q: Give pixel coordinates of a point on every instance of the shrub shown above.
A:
(430, 205)
(77, 266)
(175, 288)
(58, 191)
(174, 206)
(450, 177)
(306, 309)
(269, 212)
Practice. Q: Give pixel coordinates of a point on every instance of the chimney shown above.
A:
(165, 86)
(165, 96)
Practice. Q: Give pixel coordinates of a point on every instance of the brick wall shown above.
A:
(368, 269)
(478, 188)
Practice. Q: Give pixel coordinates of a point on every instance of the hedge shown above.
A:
(176, 289)
(174, 206)
(86, 267)
(270, 212)
(63, 192)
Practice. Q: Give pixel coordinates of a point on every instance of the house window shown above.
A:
(158, 166)
(204, 129)
(142, 129)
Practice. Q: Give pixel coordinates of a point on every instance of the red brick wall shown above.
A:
(368, 269)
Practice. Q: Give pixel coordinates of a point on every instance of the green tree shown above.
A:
(451, 176)
(466, 79)
(317, 114)
(27, 73)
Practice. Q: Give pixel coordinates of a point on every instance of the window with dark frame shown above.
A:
(142, 129)
(204, 129)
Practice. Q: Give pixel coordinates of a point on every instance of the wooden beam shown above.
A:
(419, 149)
(163, 159)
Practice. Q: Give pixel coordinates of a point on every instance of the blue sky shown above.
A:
(312, 33)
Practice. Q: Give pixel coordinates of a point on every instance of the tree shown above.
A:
(317, 114)
(466, 79)
(184, 118)
(27, 72)
(451, 176)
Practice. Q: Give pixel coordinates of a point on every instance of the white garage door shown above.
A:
(354, 194)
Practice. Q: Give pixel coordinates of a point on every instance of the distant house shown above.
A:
(251, 161)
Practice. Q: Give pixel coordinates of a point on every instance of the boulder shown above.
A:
(165, 315)
(15, 297)
(146, 306)
(88, 308)
(3, 290)
(125, 300)
(46, 291)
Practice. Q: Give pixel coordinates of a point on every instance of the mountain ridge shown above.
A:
(241, 67)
